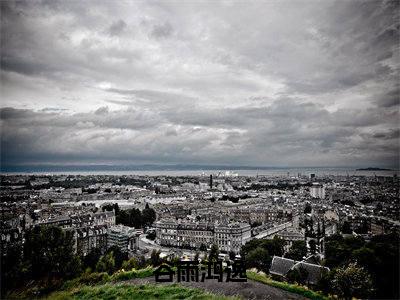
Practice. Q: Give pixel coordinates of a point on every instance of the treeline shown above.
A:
(132, 217)
(46, 256)
(259, 253)
(47, 259)
(358, 268)
(82, 182)
(234, 198)
(376, 261)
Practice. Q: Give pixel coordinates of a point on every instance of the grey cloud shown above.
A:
(162, 30)
(101, 118)
(101, 111)
(150, 98)
(261, 83)
(388, 135)
(390, 99)
(116, 28)
(53, 109)
(285, 127)
(24, 67)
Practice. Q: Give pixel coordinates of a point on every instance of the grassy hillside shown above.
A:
(137, 292)
(104, 286)
(294, 288)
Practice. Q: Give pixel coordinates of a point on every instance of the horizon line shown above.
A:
(12, 168)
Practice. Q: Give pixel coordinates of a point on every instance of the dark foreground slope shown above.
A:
(245, 290)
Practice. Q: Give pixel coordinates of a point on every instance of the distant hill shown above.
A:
(374, 169)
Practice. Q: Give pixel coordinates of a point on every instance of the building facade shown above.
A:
(88, 238)
(198, 235)
(124, 237)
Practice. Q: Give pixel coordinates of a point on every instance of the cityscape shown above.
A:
(314, 223)
(221, 150)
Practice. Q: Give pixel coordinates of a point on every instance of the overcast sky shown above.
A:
(263, 83)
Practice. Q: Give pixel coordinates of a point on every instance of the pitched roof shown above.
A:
(315, 272)
(312, 259)
(280, 265)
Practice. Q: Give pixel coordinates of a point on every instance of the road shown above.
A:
(145, 243)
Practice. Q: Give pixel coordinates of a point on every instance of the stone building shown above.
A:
(88, 238)
(124, 237)
(198, 235)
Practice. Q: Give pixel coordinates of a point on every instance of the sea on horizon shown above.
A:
(284, 172)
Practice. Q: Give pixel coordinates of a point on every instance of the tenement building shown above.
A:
(198, 235)
(88, 238)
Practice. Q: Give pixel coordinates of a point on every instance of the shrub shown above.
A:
(87, 279)
(127, 275)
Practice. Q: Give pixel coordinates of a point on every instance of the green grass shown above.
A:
(126, 275)
(87, 279)
(137, 292)
(102, 278)
(294, 288)
(103, 286)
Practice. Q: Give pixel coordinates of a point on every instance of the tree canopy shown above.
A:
(379, 257)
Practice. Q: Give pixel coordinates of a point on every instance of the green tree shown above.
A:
(380, 257)
(273, 247)
(324, 284)
(255, 224)
(122, 218)
(148, 216)
(203, 247)
(196, 256)
(338, 250)
(365, 257)
(352, 281)
(141, 262)
(131, 217)
(119, 256)
(258, 258)
(151, 236)
(106, 263)
(48, 251)
(232, 255)
(135, 218)
(130, 264)
(214, 252)
(346, 228)
(91, 259)
(11, 268)
(155, 258)
(385, 269)
(297, 251)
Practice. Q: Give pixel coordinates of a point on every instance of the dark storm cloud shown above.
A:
(278, 128)
(390, 99)
(389, 135)
(262, 83)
